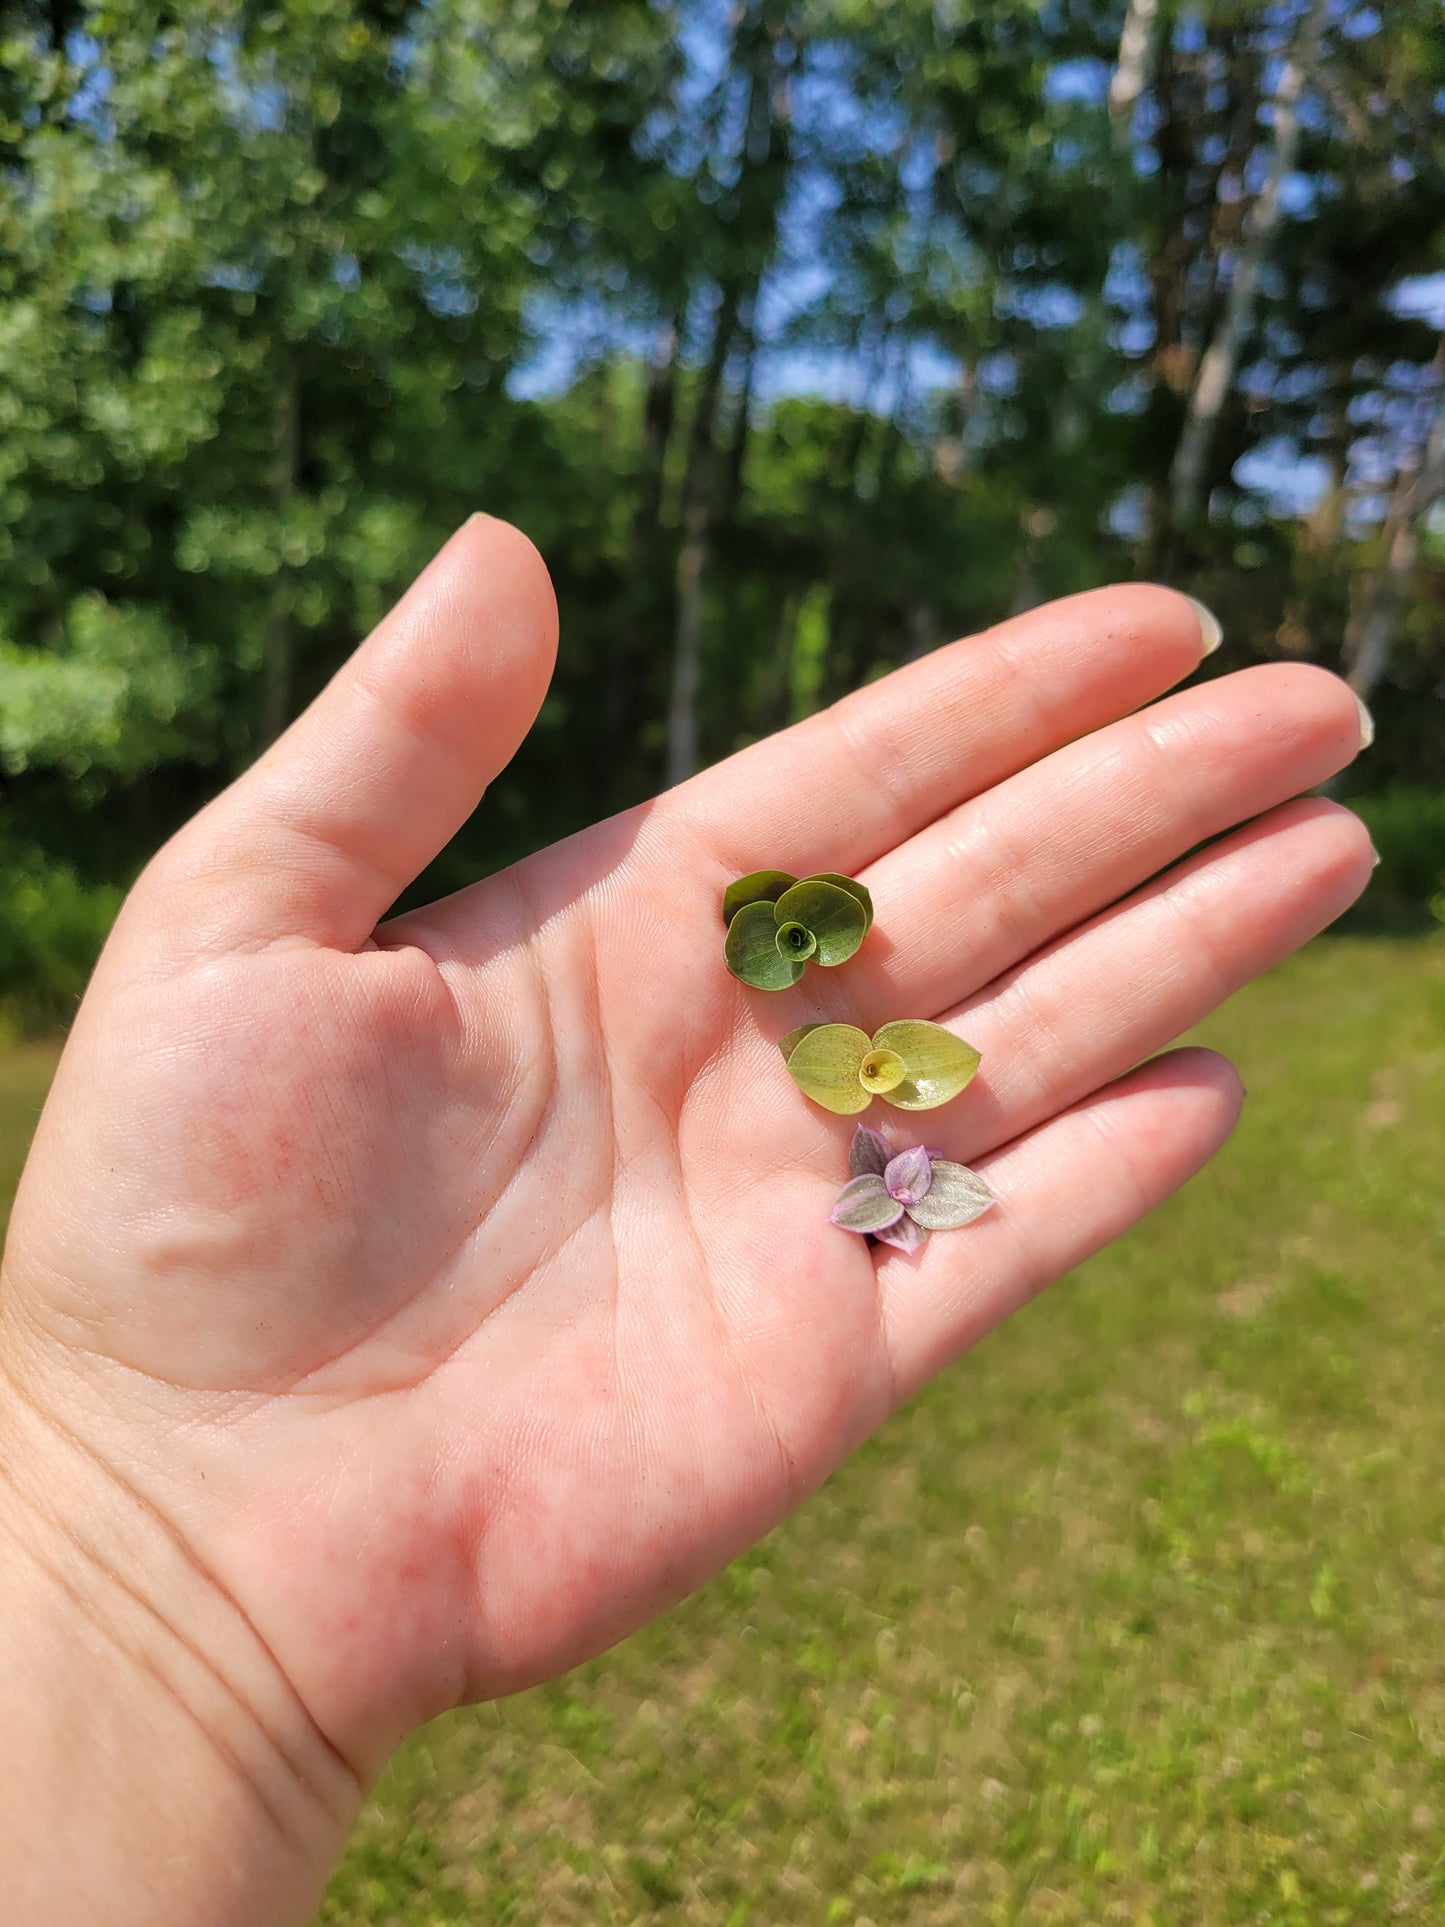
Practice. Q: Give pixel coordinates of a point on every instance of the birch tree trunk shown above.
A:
(1134, 67)
(1372, 624)
(1219, 364)
(1326, 521)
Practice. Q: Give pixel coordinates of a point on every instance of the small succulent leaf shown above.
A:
(907, 1235)
(939, 1064)
(763, 886)
(868, 1152)
(858, 890)
(882, 1071)
(836, 918)
(908, 1176)
(787, 1045)
(825, 1067)
(864, 1205)
(956, 1196)
(752, 951)
(795, 941)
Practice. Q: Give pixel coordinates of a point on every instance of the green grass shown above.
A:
(1138, 1615)
(25, 1071)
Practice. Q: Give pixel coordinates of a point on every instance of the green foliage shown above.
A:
(51, 929)
(119, 694)
(1407, 828)
(261, 275)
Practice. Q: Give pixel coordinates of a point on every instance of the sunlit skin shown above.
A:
(433, 1303)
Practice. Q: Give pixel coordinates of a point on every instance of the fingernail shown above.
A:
(1367, 726)
(1210, 627)
(1377, 858)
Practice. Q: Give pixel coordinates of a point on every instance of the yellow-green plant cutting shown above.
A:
(911, 1064)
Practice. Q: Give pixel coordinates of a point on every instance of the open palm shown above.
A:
(460, 1292)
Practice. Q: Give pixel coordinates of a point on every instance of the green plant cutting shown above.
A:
(778, 924)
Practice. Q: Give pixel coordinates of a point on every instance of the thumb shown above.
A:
(325, 830)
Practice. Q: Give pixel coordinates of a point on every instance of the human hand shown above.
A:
(412, 1311)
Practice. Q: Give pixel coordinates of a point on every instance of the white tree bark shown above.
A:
(1135, 65)
(1220, 361)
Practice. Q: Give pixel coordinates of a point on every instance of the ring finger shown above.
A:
(1106, 996)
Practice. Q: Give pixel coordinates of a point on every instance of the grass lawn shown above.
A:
(24, 1079)
(1137, 1615)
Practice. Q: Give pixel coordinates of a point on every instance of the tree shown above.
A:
(801, 334)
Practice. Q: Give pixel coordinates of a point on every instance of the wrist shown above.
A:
(157, 1765)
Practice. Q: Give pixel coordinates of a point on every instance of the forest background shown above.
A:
(801, 335)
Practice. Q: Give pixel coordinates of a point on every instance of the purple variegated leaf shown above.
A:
(906, 1235)
(864, 1205)
(909, 1175)
(956, 1196)
(868, 1152)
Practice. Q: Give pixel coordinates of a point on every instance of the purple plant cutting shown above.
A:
(900, 1197)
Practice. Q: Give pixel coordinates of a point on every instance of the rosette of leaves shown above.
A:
(778, 924)
(911, 1064)
(900, 1197)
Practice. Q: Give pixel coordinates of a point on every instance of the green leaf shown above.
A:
(787, 1045)
(955, 1196)
(853, 888)
(836, 918)
(752, 950)
(763, 886)
(825, 1067)
(939, 1064)
(795, 941)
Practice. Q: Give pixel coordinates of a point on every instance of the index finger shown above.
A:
(850, 784)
